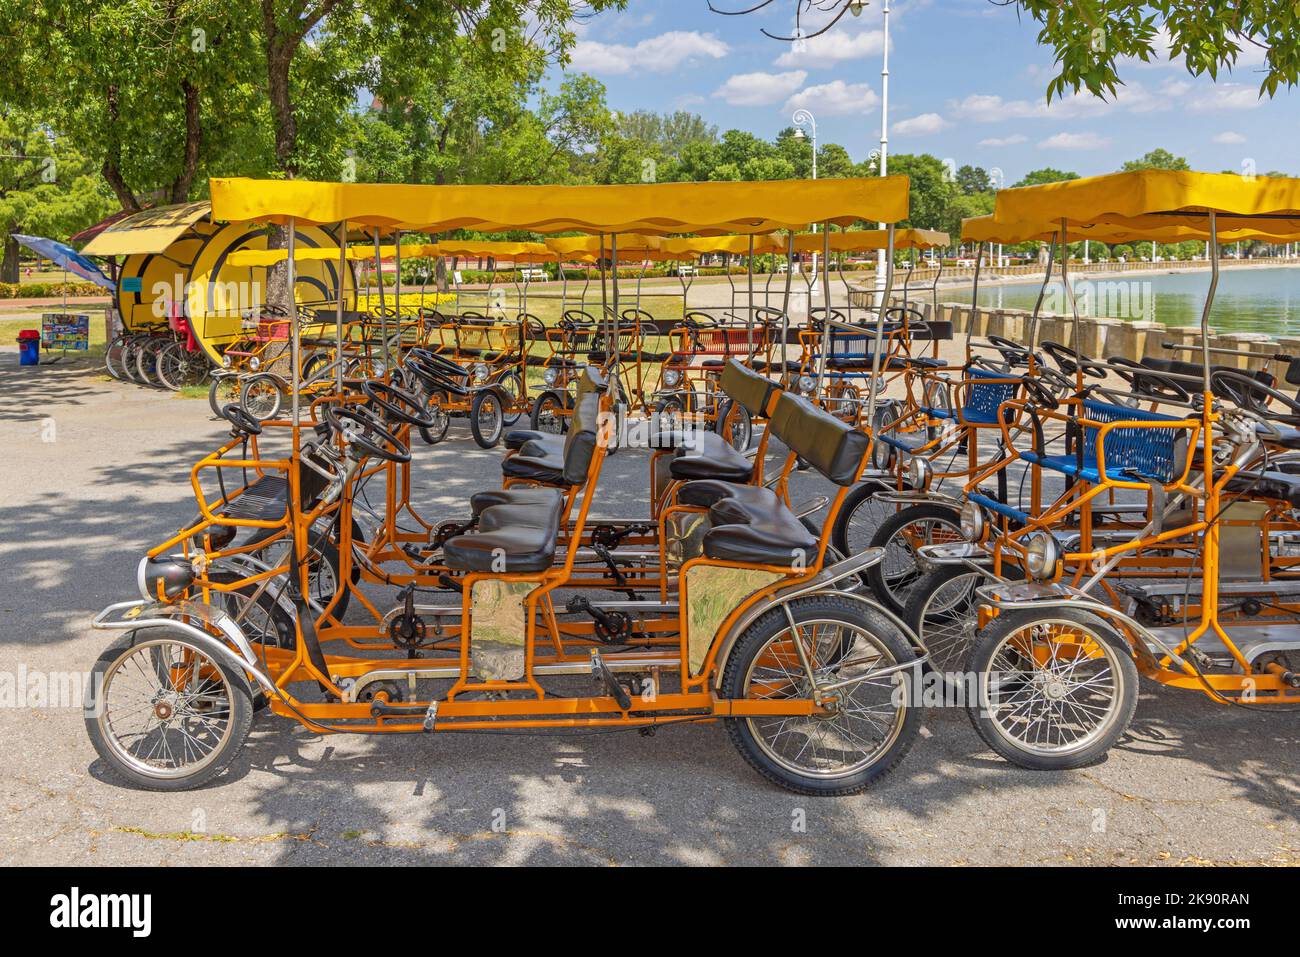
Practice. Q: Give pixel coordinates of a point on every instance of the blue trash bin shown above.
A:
(29, 347)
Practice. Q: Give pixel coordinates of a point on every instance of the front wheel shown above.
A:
(486, 418)
(514, 387)
(223, 391)
(166, 715)
(1055, 687)
(261, 397)
(548, 413)
(862, 730)
(737, 419)
(437, 408)
(892, 578)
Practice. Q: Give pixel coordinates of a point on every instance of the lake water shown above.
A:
(1247, 300)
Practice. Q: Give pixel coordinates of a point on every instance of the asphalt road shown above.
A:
(94, 472)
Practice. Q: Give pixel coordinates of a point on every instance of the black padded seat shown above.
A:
(566, 462)
(532, 497)
(547, 469)
(788, 365)
(772, 536)
(727, 498)
(516, 439)
(512, 538)
(1281, 486)
(709, 456)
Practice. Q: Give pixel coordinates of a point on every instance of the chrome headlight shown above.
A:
(1042, 556)
(806, 384)
(672, 377)
(255, 363)
(166, 576)
(551, 376)
(226, 362)
(972, 522)
(920, 473)
(480, 373)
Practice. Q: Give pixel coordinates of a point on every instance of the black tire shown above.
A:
(511, 382)
(487, 418)
(548, 413)
(156, 648)
(113, 355)
(261, 396)
(1111, 687)
(146, 361)
(891, 578)
(860, 516)
(874, 637)
(941, 611)
(321, 587)
(435, 433)
(671, 413)
(223, 391)
(742, 425)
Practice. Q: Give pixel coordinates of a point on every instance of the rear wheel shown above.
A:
(433, 434)
(859, 517)
(739, 421)
(146, 360)
(113, 354)
(223, 391)
(166, 715)
(548, 413)
(1056, 687)
(178, 367)
(261, 397)
(892, 578)
(486, 418)
(866, 727)
(514, 387)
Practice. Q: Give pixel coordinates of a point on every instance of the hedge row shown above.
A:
(45, 290)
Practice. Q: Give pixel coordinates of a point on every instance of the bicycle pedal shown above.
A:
(601, 672)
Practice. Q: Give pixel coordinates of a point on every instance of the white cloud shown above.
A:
(760, 89)
(922, 125)
(1074, 141)
(1228, 96)
(831, 48)
(1229, 138)
(1011, 140)
(661, 54)
(836, 98)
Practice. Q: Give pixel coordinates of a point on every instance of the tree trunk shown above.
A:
(277, 277)
(111, 169)
(9, 268)
(180, 190)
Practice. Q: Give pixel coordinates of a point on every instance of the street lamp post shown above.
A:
(801, 119)
(857, 6)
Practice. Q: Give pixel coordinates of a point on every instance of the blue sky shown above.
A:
(967, 83)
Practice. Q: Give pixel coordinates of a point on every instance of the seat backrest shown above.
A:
(580, 440)
(747, 387)
(985, 398)
(1152, 452)
(591, 382)
(833, 447)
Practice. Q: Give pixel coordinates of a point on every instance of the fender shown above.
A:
(918, 497)
(828, 576)
(158, 615)
(280, 380)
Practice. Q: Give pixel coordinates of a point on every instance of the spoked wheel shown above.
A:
(130, 359)
(742, 424)
(261, 397)
(113, 355)
(223, 391)
(859, 517)
(548, 413)
(1056, 687)
(435, 433)
(891, 579)
(146, 360)
(178, 367)
(514, 386)
(942, 612)
(671, 413)
(865, 729)
(167, 716)
(486, 418)
(323, 569)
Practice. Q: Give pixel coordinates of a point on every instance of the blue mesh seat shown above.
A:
(983, 399)
(1150, 454)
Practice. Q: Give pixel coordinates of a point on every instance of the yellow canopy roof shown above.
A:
(700, 208)
(1150, 228)
(690, 247)
(149, 231)
(269, 257)
(862, 240)
(631, 246)
(1127, 195)
(515, 252)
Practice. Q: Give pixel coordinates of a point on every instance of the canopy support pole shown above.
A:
(974, 296)
(785, 305)
(873, 393)
(749, 319)
(1205, 315)
(1032, 331)
(383, 321)
(826, 310)
(397, 301)
(1074, 304)
(338, 314)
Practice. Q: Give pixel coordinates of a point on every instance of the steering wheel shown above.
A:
(382, 394)
(436, 377)
(243, 422)
(1041, 395)
(576, 319)
(1071, 361)
(1002, 369)
(1253, 396)
(699, 320)
(274, 310)
(768, 316)
(1055, 379)
(534, 328)
(1013, 352)
(362, 429)
(1147, 381)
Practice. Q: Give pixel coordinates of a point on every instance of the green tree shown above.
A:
(933, 189)
(973, 179)
(46, 187)
(1092, 39)
(1156, 159)
(1045, 175)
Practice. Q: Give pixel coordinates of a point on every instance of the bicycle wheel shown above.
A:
(146, 360)
(223, 391)
(486, 418)
(113, 354)
(900, 535)
(514, 387)
(260, 397)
